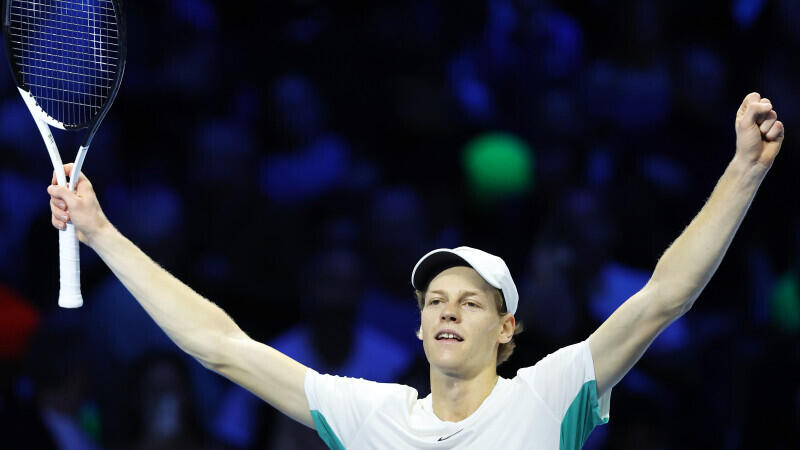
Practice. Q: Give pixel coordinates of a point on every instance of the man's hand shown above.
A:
(80, 207)
(759, 133)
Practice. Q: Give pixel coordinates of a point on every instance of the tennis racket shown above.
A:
(67, 57)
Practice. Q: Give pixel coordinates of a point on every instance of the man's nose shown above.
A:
(450, 314)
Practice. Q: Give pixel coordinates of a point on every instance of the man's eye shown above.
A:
(435, 302)
(472, 304)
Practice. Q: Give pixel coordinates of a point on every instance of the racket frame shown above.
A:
(69, 295)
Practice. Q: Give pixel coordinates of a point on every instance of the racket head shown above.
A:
(67, 57)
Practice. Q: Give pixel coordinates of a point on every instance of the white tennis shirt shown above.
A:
(552, 405)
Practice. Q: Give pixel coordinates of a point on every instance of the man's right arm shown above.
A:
(195, 324)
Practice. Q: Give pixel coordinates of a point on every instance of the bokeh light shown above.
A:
(498, 165)
(785, 304)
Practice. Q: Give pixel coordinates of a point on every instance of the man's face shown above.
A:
(461, 327)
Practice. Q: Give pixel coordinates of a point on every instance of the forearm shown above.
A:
(192, 322)
(688, 264)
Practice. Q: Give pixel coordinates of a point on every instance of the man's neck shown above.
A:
(456, 398)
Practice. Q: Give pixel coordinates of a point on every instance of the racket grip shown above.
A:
(69, 296)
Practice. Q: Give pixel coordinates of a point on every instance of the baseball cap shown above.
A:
(490, 267)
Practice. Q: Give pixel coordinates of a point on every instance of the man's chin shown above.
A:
(449, 364)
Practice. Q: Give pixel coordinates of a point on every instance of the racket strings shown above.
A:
(67, 54)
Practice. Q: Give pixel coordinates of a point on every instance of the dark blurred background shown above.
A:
(292, 160)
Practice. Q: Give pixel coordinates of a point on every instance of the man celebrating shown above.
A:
(467, 300)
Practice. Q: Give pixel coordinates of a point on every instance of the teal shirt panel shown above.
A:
(325, 432)
(582, 416)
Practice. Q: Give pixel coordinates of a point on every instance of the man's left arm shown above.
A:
(688, 264)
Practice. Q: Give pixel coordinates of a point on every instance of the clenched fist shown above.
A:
(759, 133)
(81, 207)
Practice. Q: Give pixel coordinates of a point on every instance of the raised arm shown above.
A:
(196, 325)
(688, 264)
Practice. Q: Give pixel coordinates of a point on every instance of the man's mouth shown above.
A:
(448, 335)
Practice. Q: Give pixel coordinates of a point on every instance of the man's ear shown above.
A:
(507, 325)
(419, 333)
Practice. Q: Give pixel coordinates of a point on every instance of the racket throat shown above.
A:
(76, 169)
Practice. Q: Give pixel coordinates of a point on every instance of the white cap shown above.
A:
(491, 268)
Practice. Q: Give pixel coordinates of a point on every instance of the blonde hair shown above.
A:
(504, 351)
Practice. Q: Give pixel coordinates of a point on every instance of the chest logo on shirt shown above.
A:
(448, 437)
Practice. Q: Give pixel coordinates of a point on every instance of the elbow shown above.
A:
(213, 360)
(208, 349)
(220, 350)
(673, 299)
(681, 308)
(213, 366)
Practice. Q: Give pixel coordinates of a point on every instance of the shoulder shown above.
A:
(366, 390)
(576, 358)
(565, 381)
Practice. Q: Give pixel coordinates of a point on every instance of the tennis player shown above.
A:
(467, 300)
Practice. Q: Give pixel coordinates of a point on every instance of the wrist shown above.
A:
(747, 167)
(99, 234)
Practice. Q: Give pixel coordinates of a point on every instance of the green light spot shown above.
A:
(498, 165)
(785, 303)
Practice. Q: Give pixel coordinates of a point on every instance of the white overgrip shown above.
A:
(69, 250)
(69, 295)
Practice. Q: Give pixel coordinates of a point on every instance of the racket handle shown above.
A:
(69, 295)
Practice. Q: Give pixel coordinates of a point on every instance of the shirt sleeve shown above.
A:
(565, 381)
(341, 405)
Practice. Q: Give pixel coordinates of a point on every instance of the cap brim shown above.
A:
(433, 264)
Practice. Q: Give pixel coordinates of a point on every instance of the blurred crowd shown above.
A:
(292, 161)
